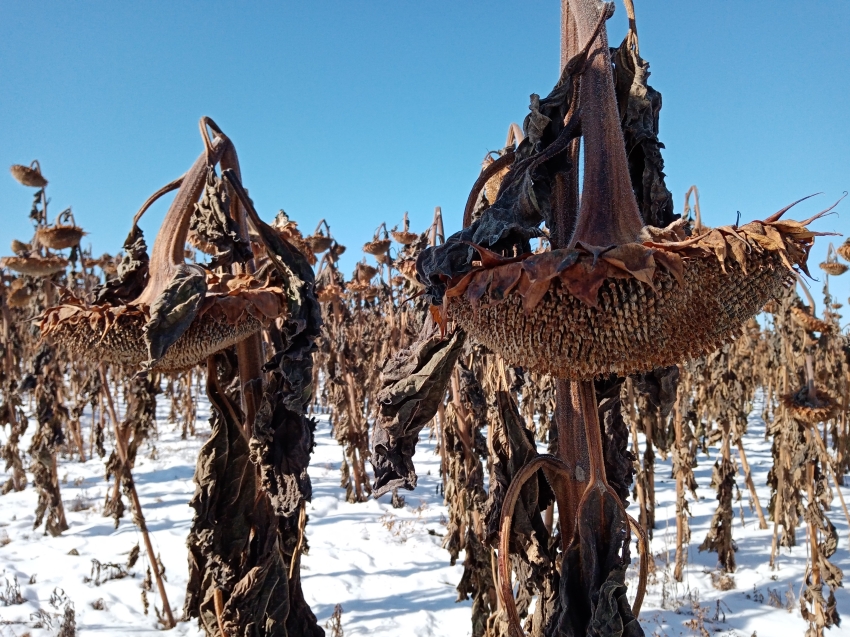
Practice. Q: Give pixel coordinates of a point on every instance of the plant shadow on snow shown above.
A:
(389, 607)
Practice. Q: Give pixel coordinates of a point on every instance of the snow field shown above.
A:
(384, 566)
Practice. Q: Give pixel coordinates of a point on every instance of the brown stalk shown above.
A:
(502, 162)
(566, 187)
(557, 472)
(218, 603)
(437, 235)
(462, 419)
(139, 517)
(167, 188)
(750, 485)
(302, 522)
(167, 254)
(697, 213)
(573, 451)
(609, 213)
(780, 482)
(822, 448)
(643, 516)
(680, 492)
(593, 434)
(515, 135)
(249, 351)
(813, 540)
(8, 359)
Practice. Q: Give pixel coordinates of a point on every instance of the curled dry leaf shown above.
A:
(413, 384)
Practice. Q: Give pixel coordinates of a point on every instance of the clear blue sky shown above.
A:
(357, 111)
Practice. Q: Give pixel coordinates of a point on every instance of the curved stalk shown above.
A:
(806, 292)
(167, 255)
(697, 213)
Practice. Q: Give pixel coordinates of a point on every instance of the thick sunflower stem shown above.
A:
(573, 450)
(609, 212)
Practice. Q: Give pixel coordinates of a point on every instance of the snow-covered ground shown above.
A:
(383, 566)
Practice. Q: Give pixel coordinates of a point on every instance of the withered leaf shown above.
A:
(478, 285)
(639, 107)
(132, 272)
(456, 289)
(535, 293)
(739, 249)
(173, 311)
(505, 278)
(212, 227)
(673, 263)
(413, 384)
(524, 199)
(543, 267)
(592, 599)
(715, 241)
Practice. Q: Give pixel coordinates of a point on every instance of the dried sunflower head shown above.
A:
(184, 312)
(844, 250)
(615, 296)
(64, 233)
(380, 243)
(35, 265)
(832, 266)
(19, 294)
(318, 242)
(810, 411)
(29, 175)
(59, 237)
(404, 237)
(804, 317)
(363, 272)
(377, 246)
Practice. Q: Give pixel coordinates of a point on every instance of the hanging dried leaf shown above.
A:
(132, 272)
(413, 384)
(173, 311)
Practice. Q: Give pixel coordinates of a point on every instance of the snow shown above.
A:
(384, 566)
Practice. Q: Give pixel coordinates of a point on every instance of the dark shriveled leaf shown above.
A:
(173, 311)
(132, 272)
(524, 199)
(413, 385)
(225, 489)
(592, 591)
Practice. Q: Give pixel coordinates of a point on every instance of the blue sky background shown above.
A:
(357, 111)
